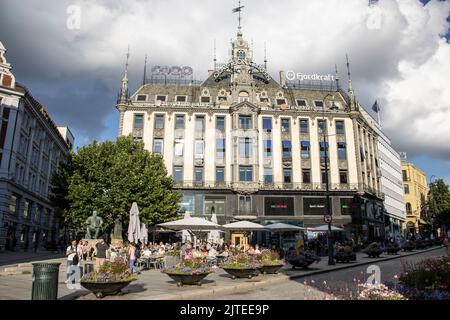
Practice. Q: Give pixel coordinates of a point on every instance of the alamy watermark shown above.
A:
(73, 21)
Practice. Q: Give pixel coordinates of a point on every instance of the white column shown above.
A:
(277, 151)
(148, 131)
(188, 152)
(351, 152)
(228, 149)
(210, 154)
(169, 126)
(315, 151)
(296, 151)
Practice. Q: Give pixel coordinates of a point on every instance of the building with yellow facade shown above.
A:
(415, 185)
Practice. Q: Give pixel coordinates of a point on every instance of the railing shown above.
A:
(313, 85)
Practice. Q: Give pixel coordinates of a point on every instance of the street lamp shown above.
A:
(328, 212)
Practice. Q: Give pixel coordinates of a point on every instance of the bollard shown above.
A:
(45, 281)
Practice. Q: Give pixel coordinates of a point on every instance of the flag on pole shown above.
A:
(375, 107)
(237, 9)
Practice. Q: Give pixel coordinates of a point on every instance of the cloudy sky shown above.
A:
(399, 54)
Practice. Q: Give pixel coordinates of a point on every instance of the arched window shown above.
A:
(243, 96)
(240, 55)
(408, 208)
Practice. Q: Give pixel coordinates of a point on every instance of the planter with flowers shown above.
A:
(302, 259)
(373, 250)
(378, 292)
(241, 265)
(188, 271)
(110, 279)
(172, 258)
(270, 262)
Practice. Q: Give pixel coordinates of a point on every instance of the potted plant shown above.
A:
(373, 250)
(302, 259)
(188, 271)
(270, 262)
(241, 265)
(111, 278)
(408, 246)
(172, 258)
(345, 254)
(392, 248)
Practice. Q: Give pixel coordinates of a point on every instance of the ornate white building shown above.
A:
(245, 146)
(31, 147)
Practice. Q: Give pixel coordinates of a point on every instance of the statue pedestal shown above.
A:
(92, 242)
(117, 242)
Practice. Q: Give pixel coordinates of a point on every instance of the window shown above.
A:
(281, 101)
(205, 99)
(161, 98)
(267, 148)
(245, 173)
(323, 148)
(241, 54)
(306, 176)
(179, 146)
(199, 149)
(278, 206)
(286, 144)
(158, 145)
(245, 147)
(159, 121)
(180, 98)
(220, 148)
(408, 208)
(318, 104)
(349, 206)
(342, 150)
(220, 174)
(138, 121)
(287, 175)
(406, 187)
(268, 175)
(405, 175)
(199, 123)
(264, 99)
(304, 126)
(285, 124)
(340, 129)
(178, 173)
(179, 122)
(243, 96)
(14, 203)
(245, 204)
(313, 206)
(215, 204)
(245, 122)
(187, 205)
(322, 126)
(301, 103)
(267, 124)
(141, 97)
(305, 146)
(343, 177)
(26, 209)
(220, 123)
(198, 174)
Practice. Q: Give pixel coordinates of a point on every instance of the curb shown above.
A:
(348, 266)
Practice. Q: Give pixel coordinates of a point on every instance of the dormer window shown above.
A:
(180, 98)
(205, 99)
(160, 98)
(243, 96)
(301, 103)
(281, 101)
(141, 97)
(318, 103)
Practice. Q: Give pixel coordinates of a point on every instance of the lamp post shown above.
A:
(328, 211)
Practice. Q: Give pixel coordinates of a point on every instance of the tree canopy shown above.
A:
(439, 202)
(108, 177)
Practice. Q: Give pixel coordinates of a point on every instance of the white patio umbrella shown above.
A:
(244, 226)
(214, 235)
(185, 234)
(280, 227)
(192, 224)
(324, 228)
(144, 234)
(134, 225)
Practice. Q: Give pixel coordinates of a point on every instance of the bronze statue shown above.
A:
(94, 223)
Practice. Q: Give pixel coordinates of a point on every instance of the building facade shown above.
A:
(391, 183)
(31, 147)
(244, 146)
(415, 185)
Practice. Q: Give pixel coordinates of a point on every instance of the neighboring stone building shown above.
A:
(244, 146)
(31, 147)
(415, 185)
(391, 182)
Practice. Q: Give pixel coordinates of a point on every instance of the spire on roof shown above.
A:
(336, 76)
(215, 60)
(350, 87)
(145, 71)
(265, 56)
(124, 89)
(238, 10)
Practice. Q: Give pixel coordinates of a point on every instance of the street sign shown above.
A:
(327, 218)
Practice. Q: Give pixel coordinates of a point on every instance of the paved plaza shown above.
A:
(288, 284)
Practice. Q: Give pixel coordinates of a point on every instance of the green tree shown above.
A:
(108, 177)
(439, 202)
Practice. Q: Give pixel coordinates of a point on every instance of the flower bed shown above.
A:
(111, 278)
(378, 292)
(188, 271)
(427, 279)
(241, 265)
(270, 262)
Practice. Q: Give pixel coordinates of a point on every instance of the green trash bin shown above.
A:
(45, 281)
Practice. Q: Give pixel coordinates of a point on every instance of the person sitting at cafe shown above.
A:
(161, 250)
(147, 252)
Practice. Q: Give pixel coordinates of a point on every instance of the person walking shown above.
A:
(101, 246)
(445, 244)
(73, 253)
(132, 259)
